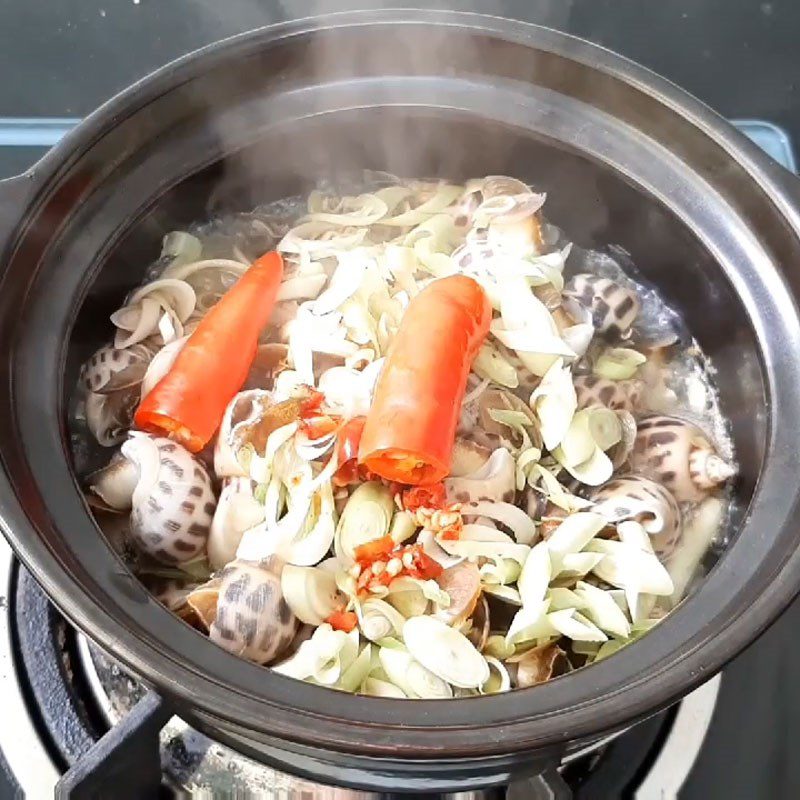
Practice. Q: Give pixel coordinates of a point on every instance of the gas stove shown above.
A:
(77, 726)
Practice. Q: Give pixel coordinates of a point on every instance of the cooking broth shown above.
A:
(465, 457)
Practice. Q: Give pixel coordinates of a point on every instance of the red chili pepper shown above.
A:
(312, 404)
(188, 403)
(433, 496)
(374, 550)
(349, 438)
(411, 425)
(343, 621)
(452, 532)
(319, 426)
(424, 566)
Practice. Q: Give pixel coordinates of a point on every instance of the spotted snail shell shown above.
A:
(678, 455)
(614, 308)
(252, 618)
(616, 395)
(110, 369)
(633, 497)
(173, 502)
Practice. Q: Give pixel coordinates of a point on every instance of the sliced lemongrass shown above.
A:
(577, 444)
(310, 548)
(378, 619)
(554, 491)
(603, 610)
(182, 248)
(475, 532)
(492, 365)
(578, 337)
(310, 593)
(499, 679)
(586, 648)
(604, 427)
(517, 421)
(530, 623)
(373, 687)
(355, 675)
(594, 472)
(432, 548)
(497, 647)
(618, 363)
(633, 533)
(507, 594)
(639, 605)
(411, 676)
(624, 565)
(609, 648)
(403, 527)
(561, 598)
(486, 549)
(578, 564)
(445, 652)
(554, 402)
(573, 534)
(535, 575)
(576, 626)
(500, 571)
(301, 287)
(513, 517)
(408, 598)
(366, 517)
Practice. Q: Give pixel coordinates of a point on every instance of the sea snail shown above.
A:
(613, 307)
(633, 497)
(592, 390)
(252, 617)
(678, 455)
(170, 497)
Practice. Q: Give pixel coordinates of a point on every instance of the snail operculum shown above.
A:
(110, 416)
(115, 483)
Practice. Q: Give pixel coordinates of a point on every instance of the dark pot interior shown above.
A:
(251, 121)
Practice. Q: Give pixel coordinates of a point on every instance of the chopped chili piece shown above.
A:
(433, 496)
(319, 426)
(372, 551)
(343, 621)
(349, 438)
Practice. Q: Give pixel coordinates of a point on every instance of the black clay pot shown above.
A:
(626, 158)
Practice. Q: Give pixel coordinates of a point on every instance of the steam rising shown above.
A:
(350, 70)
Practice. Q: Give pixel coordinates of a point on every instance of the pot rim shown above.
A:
(322, 717)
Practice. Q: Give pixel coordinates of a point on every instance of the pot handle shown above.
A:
(35, 136)
(14, 196)
(547, 785)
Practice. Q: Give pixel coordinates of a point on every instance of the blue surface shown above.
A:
(774, 141)
(44, 132)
